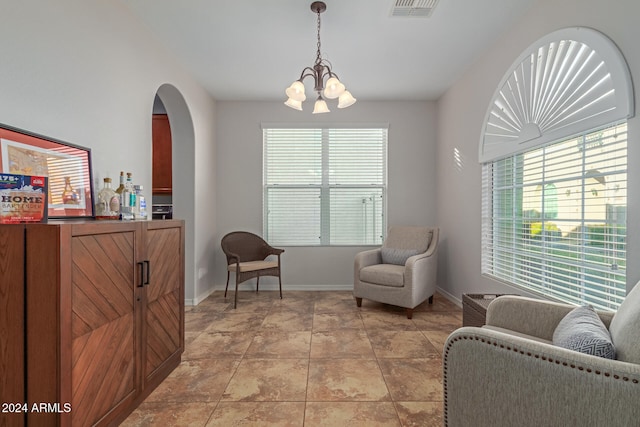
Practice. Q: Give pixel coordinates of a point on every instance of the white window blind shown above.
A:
(554, 218)
(324, 186)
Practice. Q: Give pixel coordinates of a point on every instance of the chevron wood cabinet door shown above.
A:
(95, 317)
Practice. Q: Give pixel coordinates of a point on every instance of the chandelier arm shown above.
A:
(308, 71)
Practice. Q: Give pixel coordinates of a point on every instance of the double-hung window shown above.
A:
(554, 173)
(324, 186)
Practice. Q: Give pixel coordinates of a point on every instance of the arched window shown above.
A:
(554, 154)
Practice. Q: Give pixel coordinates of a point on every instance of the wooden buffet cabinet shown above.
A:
(91, 318)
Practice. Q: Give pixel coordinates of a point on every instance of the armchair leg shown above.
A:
(431, 299)
(359, 302)
(226, 287)
(258, 283)
(280, 284)
(409, 313)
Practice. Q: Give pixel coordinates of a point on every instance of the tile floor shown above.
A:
(310, 359)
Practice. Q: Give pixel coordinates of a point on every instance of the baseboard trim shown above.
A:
(311, 288)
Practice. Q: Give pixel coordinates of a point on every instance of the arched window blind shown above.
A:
(554, 174)
(572, 80)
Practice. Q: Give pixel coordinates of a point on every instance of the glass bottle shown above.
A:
(119, 191)
(128, 200)
(69, 195)
(141, 203)
(108, 203)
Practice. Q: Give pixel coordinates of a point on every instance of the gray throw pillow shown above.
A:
(397, 256)
(582, 330)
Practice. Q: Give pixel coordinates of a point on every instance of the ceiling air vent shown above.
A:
(413, 8)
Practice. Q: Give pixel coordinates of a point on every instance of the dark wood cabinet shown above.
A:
(161, 134)
(104, 315)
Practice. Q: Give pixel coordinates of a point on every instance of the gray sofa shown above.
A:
(508, 373)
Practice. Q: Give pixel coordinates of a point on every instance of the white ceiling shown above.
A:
(253, 50)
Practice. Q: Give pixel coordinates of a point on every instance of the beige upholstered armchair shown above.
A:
(509, 372)
(402, 272)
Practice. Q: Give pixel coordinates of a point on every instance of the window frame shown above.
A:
(325, 187)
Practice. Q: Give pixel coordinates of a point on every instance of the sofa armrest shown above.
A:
(492, 378)
(530, 316)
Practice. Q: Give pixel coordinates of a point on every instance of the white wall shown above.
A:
(411, 175)
(87, 73)
(461, 113)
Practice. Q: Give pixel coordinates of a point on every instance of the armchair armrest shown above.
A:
(529, 316)
(492, 378)
(366, 258)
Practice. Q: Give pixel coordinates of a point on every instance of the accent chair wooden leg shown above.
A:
(235, 297)
(431, 299)
(226, 287)
(359, 302)
(258, 284)
(280, 284)
(409, 313)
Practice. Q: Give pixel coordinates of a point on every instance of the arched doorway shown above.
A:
(182, 173)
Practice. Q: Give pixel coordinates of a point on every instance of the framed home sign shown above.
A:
(67, 166)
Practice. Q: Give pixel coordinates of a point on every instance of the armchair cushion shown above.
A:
(383, 274)
(582, 330)
(397, 256)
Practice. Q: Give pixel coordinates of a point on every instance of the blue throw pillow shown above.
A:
(397, 256)
(582, 330)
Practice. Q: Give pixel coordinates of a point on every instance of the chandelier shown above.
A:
(320, 71)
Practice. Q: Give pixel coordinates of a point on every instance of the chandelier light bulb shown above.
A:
(334, 88)
(296, 91)
(320, 106)
(346, 100)
(296, 105)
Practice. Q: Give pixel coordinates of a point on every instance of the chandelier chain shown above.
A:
(318, 55)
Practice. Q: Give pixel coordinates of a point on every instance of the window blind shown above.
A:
(554, 218)
(324, 186)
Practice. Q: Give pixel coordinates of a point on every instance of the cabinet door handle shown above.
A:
(148, 272)
(141, 269)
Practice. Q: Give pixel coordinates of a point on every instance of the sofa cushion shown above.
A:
(582, 330)
(397, 256)
(383, 274)
(625, 328)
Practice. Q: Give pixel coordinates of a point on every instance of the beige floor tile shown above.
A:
(326, 321)
(341, 344)
(288, 320)
(268, 380)
(413, 379)
(345, 380)
(258, 414)
(438, 321)
(280, 344)
(219, 345)
(352, 414)
(342, 302)
(231, 321)
(387, 321)
(154, 414)
(437, 338)
(401, 344)
(420, 414)
(196, 381)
